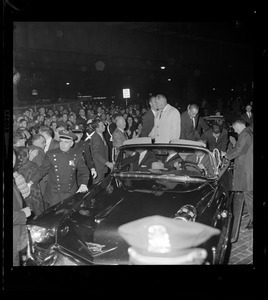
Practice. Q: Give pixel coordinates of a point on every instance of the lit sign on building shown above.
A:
(126, 93)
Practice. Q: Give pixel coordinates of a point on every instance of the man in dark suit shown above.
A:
(84, 147)
(216, 137)
(140, 160)
(119, 136)
(202, 160)
(51, 144)
(99, 150)
(243, 164)
(248, 115)
(172, 158)
(148, 118)
(192, 124)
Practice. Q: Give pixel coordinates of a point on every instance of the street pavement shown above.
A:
(241, 250)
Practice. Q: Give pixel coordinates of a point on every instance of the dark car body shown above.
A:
(83, 229)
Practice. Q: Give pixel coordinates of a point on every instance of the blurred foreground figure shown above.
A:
(158, 240)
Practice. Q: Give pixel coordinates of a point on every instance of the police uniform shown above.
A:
(158, 240)
(64, 169)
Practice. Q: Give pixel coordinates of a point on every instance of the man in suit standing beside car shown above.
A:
(242, 154)
(148, 118)
(51, 144)
(192, 124)
(99, 151)
(84, 147)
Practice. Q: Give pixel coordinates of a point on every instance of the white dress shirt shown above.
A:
(170, 156)
(142, 154)
(48, 141)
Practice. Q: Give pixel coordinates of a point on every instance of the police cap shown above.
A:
(163, 240)
(77, 129)
(65, 134)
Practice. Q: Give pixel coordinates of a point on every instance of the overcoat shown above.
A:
(99, 150)
(35, 200)
(84, 147)
(64, 169)
(242, 163)
(38, 159)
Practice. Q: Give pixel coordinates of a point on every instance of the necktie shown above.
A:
(103, 140)
(160, 115)
(198, 159)
(249, 114)
(194, 123)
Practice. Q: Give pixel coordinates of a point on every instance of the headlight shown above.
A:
(40, 234)
(186, 213)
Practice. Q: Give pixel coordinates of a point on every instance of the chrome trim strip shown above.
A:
(102, 215)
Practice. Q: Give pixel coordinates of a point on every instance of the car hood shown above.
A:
(91, 233)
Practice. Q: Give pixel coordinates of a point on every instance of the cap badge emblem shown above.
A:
(158, 239)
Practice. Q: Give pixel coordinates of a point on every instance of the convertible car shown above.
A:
(83, 229)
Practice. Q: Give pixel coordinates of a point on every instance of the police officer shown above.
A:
(84, 147)
(65, 167)
(158, 240)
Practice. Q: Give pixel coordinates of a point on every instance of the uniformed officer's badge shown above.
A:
(158, 239)
(71, 162)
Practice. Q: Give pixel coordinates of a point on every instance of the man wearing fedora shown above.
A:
(65, 167)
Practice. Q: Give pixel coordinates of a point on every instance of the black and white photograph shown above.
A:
(132, 146)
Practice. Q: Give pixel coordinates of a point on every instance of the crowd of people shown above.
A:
(59, 153)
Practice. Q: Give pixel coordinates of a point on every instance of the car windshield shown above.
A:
(171, 162)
